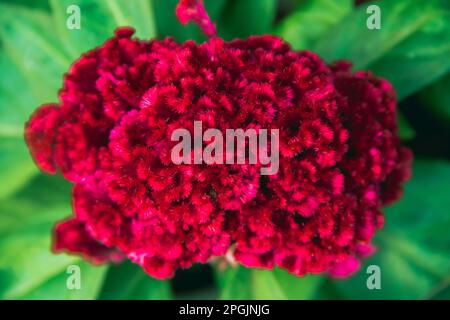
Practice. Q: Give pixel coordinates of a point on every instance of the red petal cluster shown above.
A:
(340, 156)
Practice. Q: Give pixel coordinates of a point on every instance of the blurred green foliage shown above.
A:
(411, 50)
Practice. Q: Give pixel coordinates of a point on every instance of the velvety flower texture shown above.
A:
(340, 162)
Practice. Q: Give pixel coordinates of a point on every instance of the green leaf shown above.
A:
(16, 166)
(351, 39)
(128, 281)
(32, 67)
(411, 49)
(298, 288)
(441, 291)
(95, 27)
(328, 291)
(91, 281)
(15, 108)
(27, 262)
(413, 247)
(420, 59)
(242, 283)
(405, 130)
(43, 201)
(437, 99)
(234, 283)
(99, 19)
(167, 24)
(26, 222)
(311, 20)
(30, 3)
(137, 14)
(244, 18)
(265, 286)
(29, 40)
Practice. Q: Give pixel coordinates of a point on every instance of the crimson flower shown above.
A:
(341, 159)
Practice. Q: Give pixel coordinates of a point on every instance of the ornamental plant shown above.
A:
(88, 114)
(341, 159)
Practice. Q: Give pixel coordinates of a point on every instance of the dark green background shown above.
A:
(412, 50)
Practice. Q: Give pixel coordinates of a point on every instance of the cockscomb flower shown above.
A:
(341, 159)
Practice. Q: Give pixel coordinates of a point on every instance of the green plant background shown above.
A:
(412, 50)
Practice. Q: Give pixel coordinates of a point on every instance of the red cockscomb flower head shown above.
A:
(341, 159)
